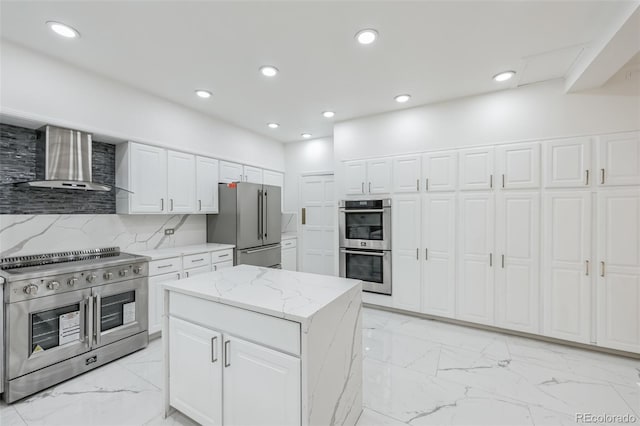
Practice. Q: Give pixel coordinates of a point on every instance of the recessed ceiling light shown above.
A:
(306, 135)
(328, 114)
(203, 93)
(402, 98)
(268, 70)
(63, 30)
(366, 36)
(504, 76)
(273, 125)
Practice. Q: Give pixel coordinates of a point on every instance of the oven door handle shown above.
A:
(97, 318)
(363, 253)
(83, 321)
(361, 210)
(89, 321)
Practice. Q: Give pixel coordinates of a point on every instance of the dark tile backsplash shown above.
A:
(18, 164)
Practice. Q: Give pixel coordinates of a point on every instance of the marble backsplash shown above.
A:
(289, 222)
(34, 234)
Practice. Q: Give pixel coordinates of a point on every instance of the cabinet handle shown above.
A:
(215, 268)
(417, 254)
(161, 204)
(224, 255)
(186, 273)
(214, 349)
(426, 254)
(503, 180)
(418, 185)
(490, 181)
(171, 201)
(200, 205)
(586, 173)
(426, 184)
(369, 187)
(503, 261)
(227, 355)
(178, 275)
(490, 259)
(197, 260)
(602, 176)
(168, 265)
(602, 269)
(586, 267)
(304, 216)
(363, 187)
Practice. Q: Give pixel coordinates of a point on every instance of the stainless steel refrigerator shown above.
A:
(249, 217)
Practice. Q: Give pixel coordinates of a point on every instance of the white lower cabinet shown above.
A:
(406, 252)
(155, 299)
(289, 257)
(196, 271)
(222, 265)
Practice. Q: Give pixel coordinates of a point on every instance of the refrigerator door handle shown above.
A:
(265, 212)
(260, 214)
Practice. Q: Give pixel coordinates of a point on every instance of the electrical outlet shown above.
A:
(169, 231)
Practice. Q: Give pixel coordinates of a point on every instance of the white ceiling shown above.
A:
(432, 50)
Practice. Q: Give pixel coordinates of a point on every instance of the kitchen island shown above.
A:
(251, 346)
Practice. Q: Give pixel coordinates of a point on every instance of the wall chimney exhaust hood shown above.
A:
(63, 160)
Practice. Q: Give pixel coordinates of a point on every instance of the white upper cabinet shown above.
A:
(438, 254)
(567, 163)
(406, 174)
(181, 182)
(231, 172)
(276, 179)
(406, 252)
(518, 165)
(619, 269)
(440, 171)
(476, 168)
(567, 268)
(517, 262)
(355, 175)
(252, 174)
(207, 185)
(619, 159)
(141, 169)
(379, 176)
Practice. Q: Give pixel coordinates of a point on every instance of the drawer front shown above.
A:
(288, 243)
(222, 256)
(196, 271)
(196, 260)
(222, 265)
(164, 266)
(265, 330)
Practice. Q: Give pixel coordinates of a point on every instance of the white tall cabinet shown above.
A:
(405, 255)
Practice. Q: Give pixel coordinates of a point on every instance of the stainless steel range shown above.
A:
(67, 313)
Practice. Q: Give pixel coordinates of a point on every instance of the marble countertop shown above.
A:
(165, 253)
(295, 296)
(289, 235)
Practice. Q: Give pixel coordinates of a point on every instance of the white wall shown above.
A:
(42, 89)
(314, 155)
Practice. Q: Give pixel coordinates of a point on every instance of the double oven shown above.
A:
(365, 243)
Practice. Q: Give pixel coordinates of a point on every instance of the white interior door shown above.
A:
(567, 269)
(195, 371)
(619, 159)
(518, 260)
(476, 260)
(319, 209)
(619, 269)
(406, 174)
(230, 172)
(355, 175)
(181, 178)
(519, 165)
(261, 385)
(438, 242)
(148, 179)
(405, 255)
(207, 185)
(567, 163)
(476, 168)
(252, 174)
(440, 170)
(379, 176)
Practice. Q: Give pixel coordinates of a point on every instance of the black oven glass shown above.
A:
(363, 226)
(365, 268)
(45, 327)
(117, 310)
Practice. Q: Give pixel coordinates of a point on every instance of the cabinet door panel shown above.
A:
(379, 176)
(438, 242)
(619, 159)
(406, 174)
(566, 276)
(148, 179)
(475, 289)
(567, 163)
(519, 165)
(276, 179)
(619, 274)
(476, 168)
(252, 174)
(289, 259)
(440, 170)
(230, 172)
(156, 301)
(261, 386)
(406, 252)
(207, 185)
(355, 175)
(195, 371)
(181, 178)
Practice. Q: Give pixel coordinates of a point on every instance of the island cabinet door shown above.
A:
(195, 371)
(261, 386)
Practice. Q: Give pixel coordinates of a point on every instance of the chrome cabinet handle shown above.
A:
(417, 184)
(161, 204)
(171, 201)
(227, 353)
(197, 260)
(426, 184)
(200, 205)
(586, 267)
(491, 181)
(426, 254)
(168, 265)
(214, 349)
(503, 261)
(215, 268)
(586, 173)
(369, 187)
(490, 259)
(186, 273)
(602, 269)
(602, 176)
(503, 180)
(363, 187)
(224, 255)
(417, 254)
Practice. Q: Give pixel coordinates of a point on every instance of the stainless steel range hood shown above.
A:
(63, 160)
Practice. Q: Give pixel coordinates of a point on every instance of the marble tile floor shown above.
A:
(416, 371)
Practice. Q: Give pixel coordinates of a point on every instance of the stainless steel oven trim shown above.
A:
(385, 287)
(384, 244)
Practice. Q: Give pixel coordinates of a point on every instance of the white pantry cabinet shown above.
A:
(476, 260)
(476, 168)
(438, 257)
(406, 174)
(181, 182)
(231, 172)
(367, 176)
(567, 268)
(517, 261)
(518, 165)
(440, 171)
(141, 169)
(252, 174)
(207, 184)
(406, 252)
(567, 163)
(619, 269)
(619, 159)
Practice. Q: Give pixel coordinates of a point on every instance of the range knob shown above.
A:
(72, 281)
(123, 272)
(91, 278)
(53, 285)
(137, 269)
(108, 275)
(31, 289)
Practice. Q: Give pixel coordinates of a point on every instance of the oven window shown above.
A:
(117, 310)
(363, 226)
(365, 268)
(55, 327)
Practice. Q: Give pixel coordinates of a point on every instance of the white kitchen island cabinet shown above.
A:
(258, 346)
